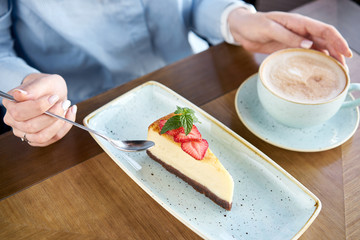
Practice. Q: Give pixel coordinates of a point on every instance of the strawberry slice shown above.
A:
(172, 132)
(196, 149)
(192, 136)
(161, 124)
(175, 132)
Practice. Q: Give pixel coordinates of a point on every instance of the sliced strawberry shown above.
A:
(161, 124)
(175, 132)
(193, 135)
(172, 132)
(196, 149)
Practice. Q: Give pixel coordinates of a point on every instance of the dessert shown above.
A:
(180, 148)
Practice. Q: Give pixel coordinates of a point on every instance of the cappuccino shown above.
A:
(303, 77)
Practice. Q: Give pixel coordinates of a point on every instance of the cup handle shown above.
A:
(355, 102)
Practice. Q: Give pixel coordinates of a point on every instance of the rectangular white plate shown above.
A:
(268, 202)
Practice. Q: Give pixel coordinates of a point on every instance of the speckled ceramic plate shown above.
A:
(268, 203)
(326, 136)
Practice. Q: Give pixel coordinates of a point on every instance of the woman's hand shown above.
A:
(39, 93)
(272, 31)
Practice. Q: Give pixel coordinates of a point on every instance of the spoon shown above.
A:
(126, 146)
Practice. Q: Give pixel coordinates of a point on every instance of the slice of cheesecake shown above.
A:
(188, 157)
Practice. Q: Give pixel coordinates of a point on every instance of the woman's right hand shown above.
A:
(37, 94)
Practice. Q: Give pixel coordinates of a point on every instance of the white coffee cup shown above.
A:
(303, 87)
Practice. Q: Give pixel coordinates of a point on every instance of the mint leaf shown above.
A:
(187, 122)
(173, 123)
(179, 110)
(185, 118)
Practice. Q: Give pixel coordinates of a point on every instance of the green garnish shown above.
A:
(186, 119)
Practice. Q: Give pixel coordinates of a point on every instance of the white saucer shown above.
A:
(326, 136)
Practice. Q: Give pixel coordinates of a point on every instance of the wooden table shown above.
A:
(73, 190)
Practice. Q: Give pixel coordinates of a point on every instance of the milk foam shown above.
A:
(304, 77)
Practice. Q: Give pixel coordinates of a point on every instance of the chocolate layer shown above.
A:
(197, 186)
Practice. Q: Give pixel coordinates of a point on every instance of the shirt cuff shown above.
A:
(225, 28)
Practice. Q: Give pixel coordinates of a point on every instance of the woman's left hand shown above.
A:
(272, 31)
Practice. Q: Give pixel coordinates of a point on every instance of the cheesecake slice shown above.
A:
(175, 152)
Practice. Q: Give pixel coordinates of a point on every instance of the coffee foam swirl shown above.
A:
(304, 77)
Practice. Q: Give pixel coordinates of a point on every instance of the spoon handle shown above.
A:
(8, 96)
(76, 124)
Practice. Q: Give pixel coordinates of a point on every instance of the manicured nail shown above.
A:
(21, 91)
(53, 99)
(65, 105)
(306, 44)
(74, 109)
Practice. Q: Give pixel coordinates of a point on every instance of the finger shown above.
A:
(23, 111)
(45, 85)
(331, 38)
(18, 133)
(321, 45)
(71, 115)
(340, 58)
(20, 95)
(308, 27)
(326, 52)
(55, 132)
(282, 34)
(41, 122)
(43, 137)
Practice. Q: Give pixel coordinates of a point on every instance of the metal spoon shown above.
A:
(127, 146)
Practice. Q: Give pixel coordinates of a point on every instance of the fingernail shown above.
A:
(21, 91)
(350, 53)
(53, 99)
(346, 68)
(65, 105)
(74, 109)
(306, 44)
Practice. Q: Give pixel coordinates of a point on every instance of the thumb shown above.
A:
(20, 95)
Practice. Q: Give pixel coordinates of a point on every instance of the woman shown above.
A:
(53, 51)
